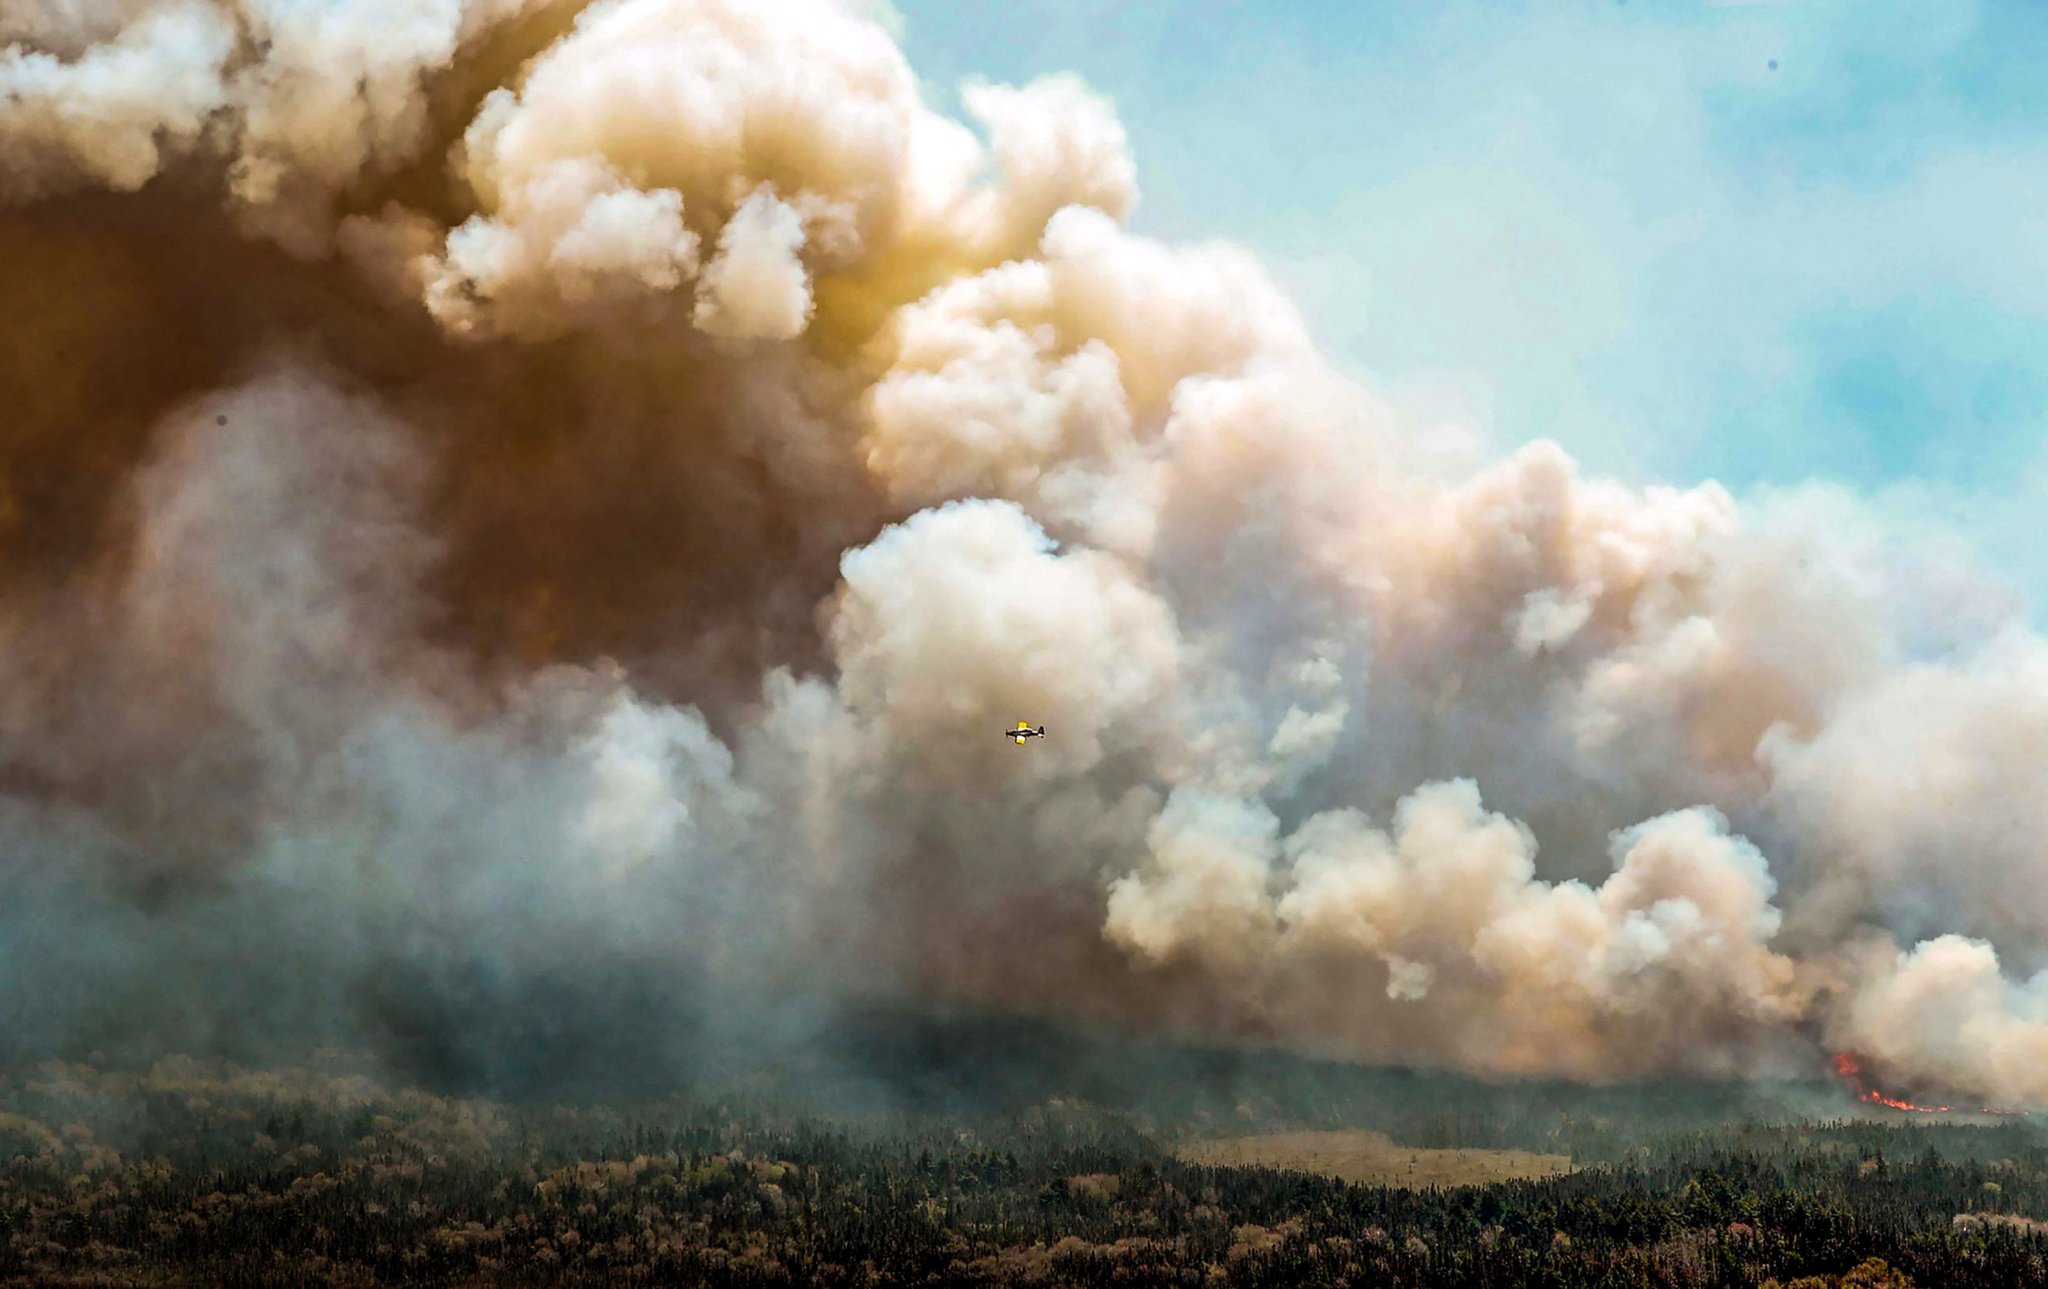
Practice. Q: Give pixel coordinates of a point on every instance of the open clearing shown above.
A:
(1370, 1158)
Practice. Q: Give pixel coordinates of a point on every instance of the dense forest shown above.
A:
(194, 1173)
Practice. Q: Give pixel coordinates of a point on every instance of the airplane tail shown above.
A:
(1041, 731)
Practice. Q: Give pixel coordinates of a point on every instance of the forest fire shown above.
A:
(1850, 1070)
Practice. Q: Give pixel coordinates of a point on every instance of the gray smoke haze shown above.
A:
(520, 524)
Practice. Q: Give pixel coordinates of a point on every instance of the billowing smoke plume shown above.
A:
(517, 509)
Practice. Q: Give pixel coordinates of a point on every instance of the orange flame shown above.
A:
(1850, 1069)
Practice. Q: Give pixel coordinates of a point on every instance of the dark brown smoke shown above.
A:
(528, 519)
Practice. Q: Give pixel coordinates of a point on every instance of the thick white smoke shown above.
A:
(549, 486)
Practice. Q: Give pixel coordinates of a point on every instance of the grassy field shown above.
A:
(1370, 1158)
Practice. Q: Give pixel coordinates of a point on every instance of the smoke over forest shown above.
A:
(521, 524)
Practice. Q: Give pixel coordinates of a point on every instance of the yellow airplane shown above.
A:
(1024, 731)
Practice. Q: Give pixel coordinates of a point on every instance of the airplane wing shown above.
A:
(1023, 725)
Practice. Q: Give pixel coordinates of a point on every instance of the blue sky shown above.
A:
(1612, 222)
